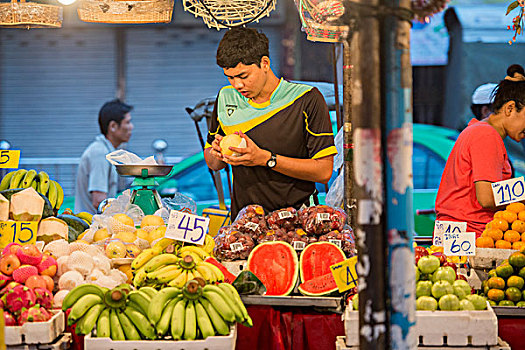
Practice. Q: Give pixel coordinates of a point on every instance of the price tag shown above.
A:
(187, 227)
(298, 245)
(9, 159)
(22, 232)
(441, 227)
(252, 226)
(285, 214)
(337, 242)
(323, 217)
(459, 244)
(236, 247)
(509, 191)
(345, 275)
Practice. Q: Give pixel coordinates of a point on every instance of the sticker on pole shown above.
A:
(187, 227)
(9, 159)
(459, 244)
(509, 191)
(345, 275)
(22, 232)
(441, 227)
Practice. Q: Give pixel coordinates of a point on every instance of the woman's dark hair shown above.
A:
(112, 110)
(242, 45)
(511, 90)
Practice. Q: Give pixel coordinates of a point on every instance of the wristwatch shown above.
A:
(272, 162)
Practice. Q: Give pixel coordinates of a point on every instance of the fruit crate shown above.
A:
(489, 258)
(36, 332)
(210, 343)
(438, 328)
(340, 344)
(63, 342)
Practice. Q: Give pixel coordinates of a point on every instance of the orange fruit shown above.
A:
(502, 224)
(496, 283)
(513, 294)
(509, 216)
(495, 233)
(518, 245)
(521, 215)
(519, 226)
(497, 215)
(512, 236)
(484, 242)
(523, 237)
(495, 294)
(515, 207)
(517, 260)
(502, 244)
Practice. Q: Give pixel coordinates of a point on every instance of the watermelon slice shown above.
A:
(228, 276)
(275, 264)
(314, 267)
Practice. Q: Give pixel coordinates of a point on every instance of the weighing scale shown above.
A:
(146, 197)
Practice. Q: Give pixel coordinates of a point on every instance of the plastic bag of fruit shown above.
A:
(232, 244)
(344, 239)
(251, 220)
(321, 219)
(286, 219)
(299, 239)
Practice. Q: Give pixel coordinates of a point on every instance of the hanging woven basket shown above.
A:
(29, 15)
(320, 20)
(126, 12)
(229, 13)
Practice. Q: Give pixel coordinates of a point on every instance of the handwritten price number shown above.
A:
(9, 159)
(236, 247)
(345, 274)
(298, 245)
(19, 232)
(187, 227)
(459, 244)
(441, 227)
(509, 191)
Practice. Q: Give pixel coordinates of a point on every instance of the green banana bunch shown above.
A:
(78, 292)
(141, 300)
(117, 333)
(104, 324)
(130, 331)
(159, 302)
(142, 323)
(43, 183)
(16, 179)
(60, 195)
(82, 306)
(28, 179)
(86, 324)
(6, 180)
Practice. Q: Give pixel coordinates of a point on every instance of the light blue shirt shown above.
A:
(95, 173)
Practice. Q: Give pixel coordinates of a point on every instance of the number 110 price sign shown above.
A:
(508, 191)
(187, 227)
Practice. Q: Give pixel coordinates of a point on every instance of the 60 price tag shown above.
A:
(22, 232)
(344, 274)
(187, 227)
(459, 244)
(509, 191)
(9, 159)
(441, 227)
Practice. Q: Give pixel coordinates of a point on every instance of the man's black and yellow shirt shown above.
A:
(294, 123)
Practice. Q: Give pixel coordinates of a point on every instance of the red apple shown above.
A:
(441, 256)
(461, 277)
(421, 250)
(48, 266)
(9, 263)
(29, 254)
(11, 248)
(50, 284)
(36, 281)
(451, 264)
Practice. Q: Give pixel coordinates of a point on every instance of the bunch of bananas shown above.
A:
(195, 311)
(152, 268)
(23, 178)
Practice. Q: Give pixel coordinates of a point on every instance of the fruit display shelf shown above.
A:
(489, 258)
(340, 344)
(210, 343)
(299, 301)
(63, 342)
(36, 332)
(438, 328)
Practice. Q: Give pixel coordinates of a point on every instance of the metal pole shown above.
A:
(368, 188)
(397, 94)
(348, 147)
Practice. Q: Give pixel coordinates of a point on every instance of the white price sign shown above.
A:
(509, 191)
(441, 227)
(459, 244)
(187, 227)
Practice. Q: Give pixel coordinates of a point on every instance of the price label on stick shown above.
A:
(9, 159)
(22, 232)
(459, 244)
(187, 227)
(509, 191)
(344, 274)
(441, 227)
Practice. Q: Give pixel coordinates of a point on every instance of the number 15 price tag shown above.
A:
(187, 227)
(22, 232)
(509, 191)
(345, 275)
(9, 159)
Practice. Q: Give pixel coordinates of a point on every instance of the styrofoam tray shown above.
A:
(502, 345)
(210, 343)
(236, 266)
(36, 332)
(452, 328)
(489, 258)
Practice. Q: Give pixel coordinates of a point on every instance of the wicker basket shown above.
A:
(29, 15)
(320, 20)
(109, 11)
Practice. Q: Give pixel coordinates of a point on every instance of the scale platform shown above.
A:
(138, 170)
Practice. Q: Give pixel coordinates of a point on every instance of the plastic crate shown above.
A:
(340, 344)
(438, 328)
(489, 258)
(63, 342)
(36, 332)
(210, 343)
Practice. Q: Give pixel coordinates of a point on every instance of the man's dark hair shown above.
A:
(509, 90)
(477, 110)
(242, 45)
(112, 110)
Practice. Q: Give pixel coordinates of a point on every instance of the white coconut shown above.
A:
(59, 297)
(58, 248)
(81, 262)
(70, 280)
(63, 267)
(102, 263)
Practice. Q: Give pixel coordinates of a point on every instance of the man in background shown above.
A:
(97, 179)
(482, 100)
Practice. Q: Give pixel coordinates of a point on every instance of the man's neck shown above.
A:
(113, 140)
(268, 89)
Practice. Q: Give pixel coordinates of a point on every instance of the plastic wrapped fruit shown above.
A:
(286, 219)
(344, 240)
(321, 219)
(299, 239)
(250, 220)
(231, 244)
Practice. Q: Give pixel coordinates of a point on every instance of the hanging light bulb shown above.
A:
(66, 2)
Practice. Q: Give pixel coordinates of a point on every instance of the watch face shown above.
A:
(271, 163)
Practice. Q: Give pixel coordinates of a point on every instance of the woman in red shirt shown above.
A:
(479, 157)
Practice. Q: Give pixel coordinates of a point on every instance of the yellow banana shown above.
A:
(219, 276)
(140, 277)
(159, 261)
(17, 178)
(163, 243)
(28, 178)
(52, 195)
(6, 180)
(34, 185)
(43, 184)
(145, 256)
(180, 280)
(60, 195)
(194, 255)
(206, 273)
(209, 245)
(85, 216)
(203, 321)
(201, 253)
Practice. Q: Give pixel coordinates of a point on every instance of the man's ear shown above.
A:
(265, 63)
(112, 126)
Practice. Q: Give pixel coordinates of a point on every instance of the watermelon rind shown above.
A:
(328, 286)
(273, 248)
(318, 246)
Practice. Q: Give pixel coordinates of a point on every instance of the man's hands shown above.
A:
(251, 155)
